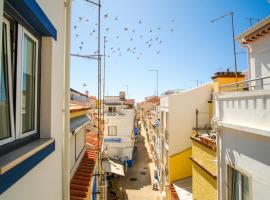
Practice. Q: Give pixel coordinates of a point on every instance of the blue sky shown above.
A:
(194, 50)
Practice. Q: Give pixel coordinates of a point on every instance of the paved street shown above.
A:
(143, 171)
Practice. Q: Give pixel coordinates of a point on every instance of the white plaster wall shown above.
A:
(182, 116)
(248, 153)
(123, 150)
(80, 142)
(246, 109)
(259, 55)
(44, 181)
(123, 122)
(72, 151)
(124, 125)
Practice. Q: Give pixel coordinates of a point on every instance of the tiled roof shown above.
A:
(92, 139)
(81, 180)
(75, 107)
(174, 194)
(255, 32)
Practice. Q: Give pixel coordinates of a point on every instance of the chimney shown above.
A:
(122, 95)
(86, 93)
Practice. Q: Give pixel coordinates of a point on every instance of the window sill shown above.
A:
(17, 163)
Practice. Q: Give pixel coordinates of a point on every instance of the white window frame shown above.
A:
(10, 92)
(21, 32)
(109, 130)
(242, 173)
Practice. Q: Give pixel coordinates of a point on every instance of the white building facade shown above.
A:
(33, 132)
(118, 130)
(243, 124)
(178, 117)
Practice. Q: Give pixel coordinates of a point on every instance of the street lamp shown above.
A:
(233, 38)
(155, 70)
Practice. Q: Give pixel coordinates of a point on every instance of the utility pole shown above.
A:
(99, 87)
(104, 70)
(98, 58)
(156, 71)
(233, 38)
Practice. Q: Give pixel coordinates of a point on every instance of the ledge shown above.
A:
(205, 142)
(245, 128)
(16, 164)
(203, 168)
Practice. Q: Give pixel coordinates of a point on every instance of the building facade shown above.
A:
(118, 130)
(33, 142)
(242, 121)
(178, 117)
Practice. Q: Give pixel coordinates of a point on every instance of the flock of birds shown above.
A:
(150, 39)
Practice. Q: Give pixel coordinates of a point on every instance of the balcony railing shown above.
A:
(248, 85)
(245, 105)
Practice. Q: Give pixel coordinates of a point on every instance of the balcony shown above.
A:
(245, 106)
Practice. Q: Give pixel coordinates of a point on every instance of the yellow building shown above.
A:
(204, 174)
(226, 78)
(204, 159)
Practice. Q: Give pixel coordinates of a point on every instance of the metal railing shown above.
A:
(248, 85)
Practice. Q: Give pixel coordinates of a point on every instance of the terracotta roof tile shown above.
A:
(80, 182)
(74, 107)
(173, 193)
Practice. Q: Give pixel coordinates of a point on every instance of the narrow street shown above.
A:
(138, 182)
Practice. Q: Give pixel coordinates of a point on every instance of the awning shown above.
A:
(77, 122)
(32, 12)
(113, 167)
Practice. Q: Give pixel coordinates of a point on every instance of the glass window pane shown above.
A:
(5, 129)
(28, 84)
(112, 130)
(245, 188)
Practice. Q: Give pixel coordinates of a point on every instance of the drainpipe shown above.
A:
(65, 146)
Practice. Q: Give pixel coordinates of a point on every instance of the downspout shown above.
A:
(66, 148)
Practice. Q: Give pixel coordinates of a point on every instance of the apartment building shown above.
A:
(242, 115)
(178, 117)
(34, 99)
(118, 129)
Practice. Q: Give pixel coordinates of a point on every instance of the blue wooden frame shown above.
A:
(13, 175)
(31, 11)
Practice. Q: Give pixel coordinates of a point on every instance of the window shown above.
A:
(18, 82)
(238, 185)
(112, 130)
(112, 110)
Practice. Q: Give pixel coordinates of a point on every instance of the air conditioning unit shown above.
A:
(102, 187)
